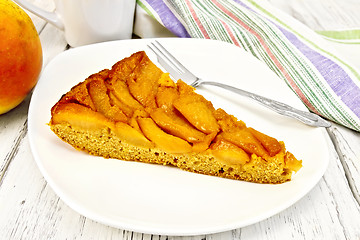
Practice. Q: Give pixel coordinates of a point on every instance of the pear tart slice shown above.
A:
(135, 112)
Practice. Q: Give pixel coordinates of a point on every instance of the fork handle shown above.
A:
(279, 107)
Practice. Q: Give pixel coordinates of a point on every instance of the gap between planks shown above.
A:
(345, 166)
(14, 150)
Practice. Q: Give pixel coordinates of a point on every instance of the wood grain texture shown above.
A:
(347, 145)
(12, 129)
(31, 210)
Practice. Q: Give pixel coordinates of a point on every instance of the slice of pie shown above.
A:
(135, 112)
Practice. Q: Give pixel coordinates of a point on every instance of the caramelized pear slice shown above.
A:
(121, 91)
(229, 153)
(176, 126)
(143, 82)
(291, 163)
(270, 144)
(166, 81)
(79, 93)
(197, 113)
(227, 122)
(137, 114)
(80, 116)
(161, 139)
(165, 97)
(131, 135)
(204, 145)
(122, 69)
(98, 93)
(196, 109)
(114, 101)
(245, 140)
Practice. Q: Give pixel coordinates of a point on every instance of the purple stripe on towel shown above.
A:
(168, 18)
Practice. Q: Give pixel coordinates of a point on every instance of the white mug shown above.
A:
(89, 21)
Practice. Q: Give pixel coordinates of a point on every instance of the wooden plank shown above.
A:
(12, 129)
(347, 144)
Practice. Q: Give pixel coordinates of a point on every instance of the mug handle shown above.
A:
(51, 17)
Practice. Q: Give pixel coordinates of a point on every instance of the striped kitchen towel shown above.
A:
(326, 84)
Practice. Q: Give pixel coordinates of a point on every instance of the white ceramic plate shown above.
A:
(165, 200)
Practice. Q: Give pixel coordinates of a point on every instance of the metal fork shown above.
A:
(178, 71)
